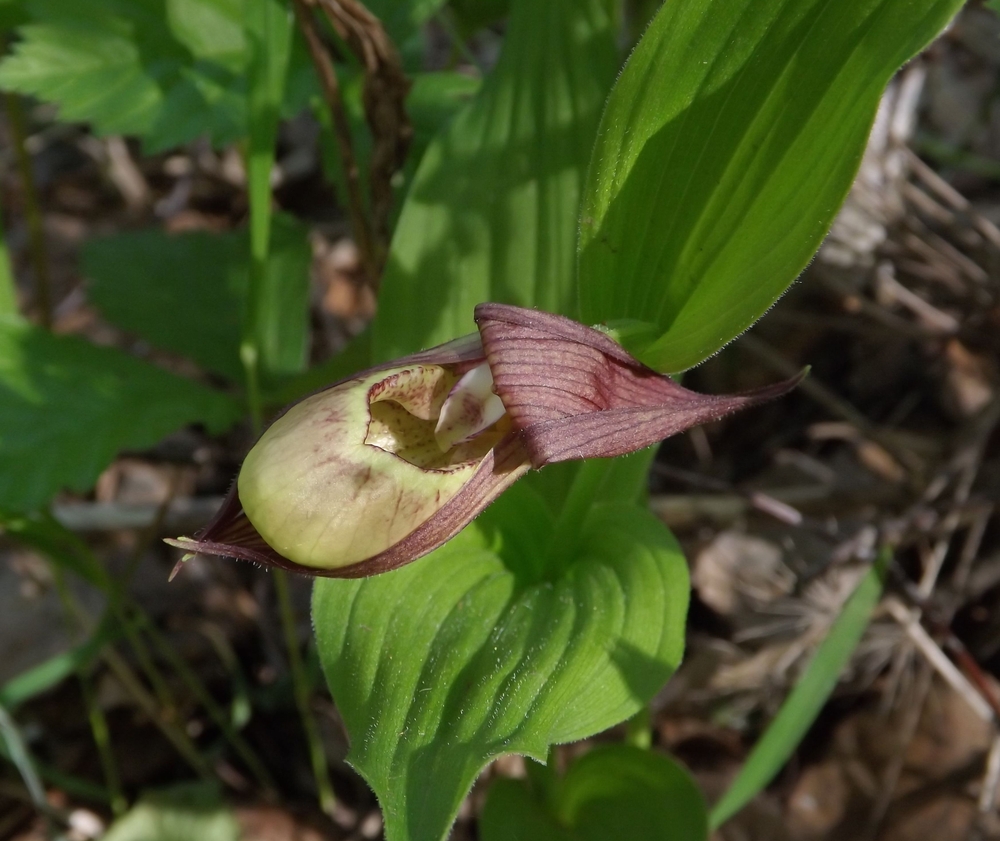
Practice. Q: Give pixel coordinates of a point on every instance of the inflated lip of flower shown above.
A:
(379, 469)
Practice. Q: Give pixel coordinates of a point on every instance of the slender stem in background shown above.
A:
(204, 697)
(327, 73)
(300, 682)
(270, 29)
(458, 45)
(127, 678)
(102, 738)
(32, 208)
(8, 291)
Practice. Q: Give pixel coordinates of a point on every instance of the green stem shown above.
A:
(127, 678)
(32, 208)
(566, 533)
(8, 291)
(300, 682)
(102, 739)
(204, 697)
(639, 729)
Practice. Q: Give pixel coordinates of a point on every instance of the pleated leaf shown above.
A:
(727, 147)
(492, 213)
(445, 664)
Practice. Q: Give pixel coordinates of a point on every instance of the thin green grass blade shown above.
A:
(17, 751)
(807, 698)
(41, 678)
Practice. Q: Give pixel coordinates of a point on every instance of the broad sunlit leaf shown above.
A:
(492, 212)
(443, 665)
(727, 147)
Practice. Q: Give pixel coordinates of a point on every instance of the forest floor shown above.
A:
(894, 433)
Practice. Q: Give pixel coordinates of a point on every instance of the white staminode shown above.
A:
(471, 407)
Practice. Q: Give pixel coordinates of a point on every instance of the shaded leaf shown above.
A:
(186, 293)
(433, 101)
(613, 791)
(447, 663)
(402, 19)
(728, 145)
(67, 408)
(182, 813)
(491, 214)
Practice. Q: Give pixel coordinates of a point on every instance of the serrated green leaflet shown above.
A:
(727, 146)
(118, 66)
(447, 663)
(67, 407)
(186, 293)
(614, 791)
(491, 215)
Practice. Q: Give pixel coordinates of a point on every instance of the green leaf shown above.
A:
(283, 335)
(433, 100)
(727, 146)
(119, 66)
(186, 293)
(402, 19)
(41, 531)
(805, 701)
(443, 665)
(473, 15)
(614, 791)
(67, 407)
(354, 357)
(492, 211)
(183, 293)
(12, 14)
(211, 29)
(182, 813)
(50, 673)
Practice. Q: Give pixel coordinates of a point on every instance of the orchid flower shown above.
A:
(379, 469)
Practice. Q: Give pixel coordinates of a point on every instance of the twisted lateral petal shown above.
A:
(573, 393)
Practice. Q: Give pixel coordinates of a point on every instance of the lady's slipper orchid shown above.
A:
(377, 470)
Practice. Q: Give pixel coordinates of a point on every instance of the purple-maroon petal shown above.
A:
(573, 393)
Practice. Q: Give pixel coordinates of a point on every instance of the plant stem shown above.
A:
(32, 208)
(300, 682)
(204, 697)
(566, 533)
(102, 738)
(639, 729)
